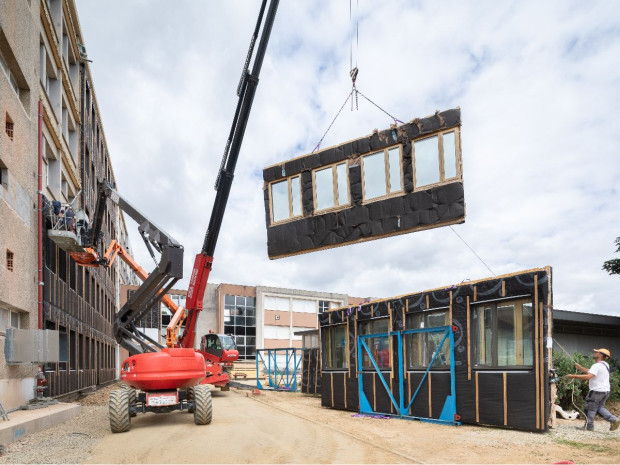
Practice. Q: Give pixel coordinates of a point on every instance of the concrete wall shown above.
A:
(275, 327)
(19, 46)
(208, 318)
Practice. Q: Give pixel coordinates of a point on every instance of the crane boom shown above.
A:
(246, 92)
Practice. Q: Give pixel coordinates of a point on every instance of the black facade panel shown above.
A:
(412, 210)
(480, 402)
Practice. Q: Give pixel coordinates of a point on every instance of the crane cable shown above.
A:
(355, 93)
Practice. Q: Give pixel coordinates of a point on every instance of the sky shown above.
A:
(538, 85)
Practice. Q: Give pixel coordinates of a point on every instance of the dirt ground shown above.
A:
(292, 428)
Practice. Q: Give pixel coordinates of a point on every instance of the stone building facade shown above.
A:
(52, 133)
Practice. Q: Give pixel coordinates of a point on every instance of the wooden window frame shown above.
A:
(336, 206)
(423, 341)
(518, 328)
(291, 217)
(442, 176)
(389, 339)
(327, 349)
(386, 164)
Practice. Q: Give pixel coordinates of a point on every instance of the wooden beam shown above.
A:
(503, 288)
(477, 401)
(468, 343)
(475, 293)
(505, 399)
(542, 368)
(430, 403)
(536, 354)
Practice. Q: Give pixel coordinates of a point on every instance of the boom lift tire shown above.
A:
(204, 405)
(132, 399)
(119, 411)
(190, 397)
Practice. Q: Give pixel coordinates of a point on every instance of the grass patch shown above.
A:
(584, 445)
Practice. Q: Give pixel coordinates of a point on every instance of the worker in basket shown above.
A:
(598, 380)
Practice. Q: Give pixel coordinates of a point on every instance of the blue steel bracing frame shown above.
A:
(279, 380)
(448, 414)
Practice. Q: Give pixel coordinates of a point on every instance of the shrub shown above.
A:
(565, 365)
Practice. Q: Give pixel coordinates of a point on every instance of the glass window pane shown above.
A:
(528, 334)
(435, 319)
(449, 155)
(15, 319)
(374, 176)
(296, 193)
(395, 171)
(279, 200)
(335, 347)
(506, 344)
(482, 335)
(415, 342)
(427, 161)
(343, 184)
(379, 346)
(324, 185)
(239, 300)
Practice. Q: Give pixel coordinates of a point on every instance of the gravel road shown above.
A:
(293, 428)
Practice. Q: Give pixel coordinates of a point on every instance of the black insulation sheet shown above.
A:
(411, 211)
(492, 403)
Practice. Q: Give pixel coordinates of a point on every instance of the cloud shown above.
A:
(537, 83)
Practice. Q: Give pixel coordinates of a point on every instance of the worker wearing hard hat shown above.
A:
(598, 379)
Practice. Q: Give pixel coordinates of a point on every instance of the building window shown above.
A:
(285, 199)
(9, 74)
(382, 173)
(422, 346)
(331, 187)
(325, 305)
(502, 334)
(9, 260)
(335, 347)
(9, 319)
(436, 159)
(9, 127)
(240, 322)
(379, 346)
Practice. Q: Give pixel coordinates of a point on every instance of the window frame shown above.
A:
(389, 340)
(441, 154)
(326, 352)
(291, 217)
(424, 339)
(386, 167)
(337, 205)
(518, 328)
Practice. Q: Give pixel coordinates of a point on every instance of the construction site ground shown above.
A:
(283, 427)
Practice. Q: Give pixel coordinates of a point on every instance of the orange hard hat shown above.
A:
(603, 351)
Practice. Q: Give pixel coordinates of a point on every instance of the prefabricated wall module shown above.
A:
(402, 179)
(493, 367)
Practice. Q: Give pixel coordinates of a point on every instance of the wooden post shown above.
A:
(477, 401)
(468, 343)
(505, 399)
(430, 390)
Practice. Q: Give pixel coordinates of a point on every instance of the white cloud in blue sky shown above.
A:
(538, 84)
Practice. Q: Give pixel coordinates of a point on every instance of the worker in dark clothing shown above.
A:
(598, 380)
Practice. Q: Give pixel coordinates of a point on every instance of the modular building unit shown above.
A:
(476, 352)
(402, 179)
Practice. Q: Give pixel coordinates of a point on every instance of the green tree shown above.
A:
(613, 266)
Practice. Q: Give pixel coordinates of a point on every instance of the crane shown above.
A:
(164, 379)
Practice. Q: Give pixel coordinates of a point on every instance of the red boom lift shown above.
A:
(164, 379)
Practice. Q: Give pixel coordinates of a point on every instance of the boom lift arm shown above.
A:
(245, 91)
(156, 284)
